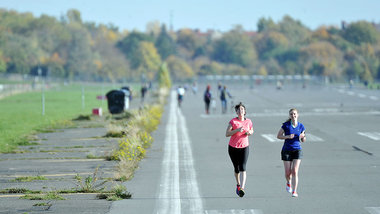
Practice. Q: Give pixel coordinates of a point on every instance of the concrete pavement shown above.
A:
(339, 172)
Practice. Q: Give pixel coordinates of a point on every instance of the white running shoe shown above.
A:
(294, 194)
(289, 188)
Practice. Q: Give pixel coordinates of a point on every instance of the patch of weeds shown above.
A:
(45, 130)
(82, 118)
(122, 179)
(25, 141)
(90, 184)
(123, 116)
(47, 196)
(19, 152)
(19, 190)
(29, 178)
(67, 191)
(43, 204)
(118, 192)
(91, 156)
(47, 151)
(115, 134)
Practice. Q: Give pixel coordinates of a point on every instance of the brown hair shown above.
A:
(238, 106)
(292, 109)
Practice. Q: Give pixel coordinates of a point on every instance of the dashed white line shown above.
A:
(359, 94)
(371, 135)
(373, 210)
(273, 138)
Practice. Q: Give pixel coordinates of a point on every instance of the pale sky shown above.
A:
(220, 15)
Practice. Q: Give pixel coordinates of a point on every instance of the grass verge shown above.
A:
(22, 117)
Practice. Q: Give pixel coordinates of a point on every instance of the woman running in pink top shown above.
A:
(239, 128)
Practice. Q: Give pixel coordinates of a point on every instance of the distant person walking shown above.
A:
(239, 128)
(223, 98)
(293, 132)
(144, 90)
(180, 94)
(207, 98)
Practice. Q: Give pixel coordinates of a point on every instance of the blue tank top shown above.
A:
(292, 144)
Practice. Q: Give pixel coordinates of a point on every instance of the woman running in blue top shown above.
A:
(293, 132)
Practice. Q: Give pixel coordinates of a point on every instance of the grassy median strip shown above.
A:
(22, 117)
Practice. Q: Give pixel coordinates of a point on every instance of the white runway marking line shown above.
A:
(169, 200)
(250, 211)
(191, 185)
(373, 210)
(359, 94)
(371, 135)
(309, 138)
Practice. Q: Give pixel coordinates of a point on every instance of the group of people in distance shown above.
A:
(291, 131)
(208, 98)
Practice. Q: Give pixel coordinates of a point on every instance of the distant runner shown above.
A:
(207, 97)
(293, 132)
(239, 128)
(180, 93)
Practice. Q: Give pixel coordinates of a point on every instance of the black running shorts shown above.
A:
(291, 155)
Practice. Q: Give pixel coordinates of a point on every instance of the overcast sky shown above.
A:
(203, 14)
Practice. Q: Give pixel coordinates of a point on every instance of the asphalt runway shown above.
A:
(188, 170)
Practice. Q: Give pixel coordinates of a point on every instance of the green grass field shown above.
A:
(21, 115)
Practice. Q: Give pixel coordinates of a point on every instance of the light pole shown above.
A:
(42, 90)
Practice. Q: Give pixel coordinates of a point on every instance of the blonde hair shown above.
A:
(292, 109)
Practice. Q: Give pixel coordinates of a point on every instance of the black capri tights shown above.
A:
(239, 157)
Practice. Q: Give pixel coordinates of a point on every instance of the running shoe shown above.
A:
(294, 194)
(289, 188)
(241, 193)
(237, 189)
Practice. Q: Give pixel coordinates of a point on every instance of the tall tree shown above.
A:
(149, 59)
(265, 25)
(179, 69)
(235, 48)
(269, 43)
(361, 32)
(130, 45)
(165, 44)
(294, 30)
(164, 79)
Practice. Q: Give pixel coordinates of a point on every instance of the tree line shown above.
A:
(70, 48)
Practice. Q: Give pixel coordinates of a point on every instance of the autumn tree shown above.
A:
(164, 79)
(236, 48)
(270, 43)
(165, 44)
(130, 45)
(149, 59)
(265, 25)
(293, 29)
(361, 32)
(3, 65)
(324, 55)
(179, 69)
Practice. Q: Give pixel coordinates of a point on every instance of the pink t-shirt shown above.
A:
(240, 139)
